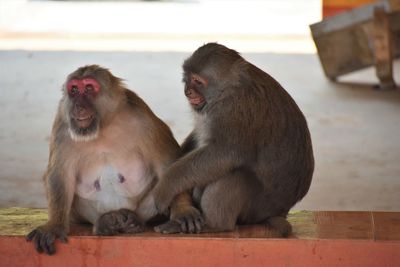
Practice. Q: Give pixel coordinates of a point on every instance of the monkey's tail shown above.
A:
(281, 225)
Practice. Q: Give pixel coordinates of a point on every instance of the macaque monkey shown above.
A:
(107, 151)
(249, 158)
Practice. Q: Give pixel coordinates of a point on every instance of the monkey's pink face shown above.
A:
(193, 88)
(82, 93)
(83, 86)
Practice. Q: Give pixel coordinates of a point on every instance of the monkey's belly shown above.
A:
(106, 189)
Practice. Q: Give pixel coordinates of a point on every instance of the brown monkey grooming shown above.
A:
(107, 151)
(249, 157)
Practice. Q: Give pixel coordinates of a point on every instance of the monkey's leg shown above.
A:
(240, 197)
(227, 199)
(121, 221)
(264, 208)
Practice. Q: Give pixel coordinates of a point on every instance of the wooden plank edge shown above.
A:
(149, 251)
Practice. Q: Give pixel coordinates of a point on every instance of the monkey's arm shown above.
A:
(189, 144)
(184, 217)
(197, 169)
(60, 191)
(184, 199)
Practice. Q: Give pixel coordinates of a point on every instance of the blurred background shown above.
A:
(355, 128)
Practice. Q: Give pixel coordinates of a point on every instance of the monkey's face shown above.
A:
(91, 99)
(209, 75)
(194, 90)
(83, 118)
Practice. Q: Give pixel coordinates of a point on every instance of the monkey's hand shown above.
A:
(162, 198)
(184, 219)
(44, 237)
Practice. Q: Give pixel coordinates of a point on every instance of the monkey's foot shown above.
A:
(170, 227)
(44, 237)
(281, 225)
(188, 220)
(121, 221)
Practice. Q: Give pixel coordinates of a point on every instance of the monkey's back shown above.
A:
(275, 131)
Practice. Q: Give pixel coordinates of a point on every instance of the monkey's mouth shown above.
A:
(196, 101)
(84, 121)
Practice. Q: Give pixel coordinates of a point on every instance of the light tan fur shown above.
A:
(130, 141)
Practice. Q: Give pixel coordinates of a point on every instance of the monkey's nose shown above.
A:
(79, 107)
(188, 92)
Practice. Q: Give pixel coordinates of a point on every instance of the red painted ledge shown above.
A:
(319, 239)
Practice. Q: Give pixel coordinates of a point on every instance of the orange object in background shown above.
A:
(333, 7)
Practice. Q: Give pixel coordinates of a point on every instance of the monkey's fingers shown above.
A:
(187, 224)
(29, 237)
(134, 229)
(63, 238)
(37, 240)
(105, 231)
(199, 222)
(191, 225)
(170, 227)
(131, 218)
(183, 223)
(47, 243)
(191, 221)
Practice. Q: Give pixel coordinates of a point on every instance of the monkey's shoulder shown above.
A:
(139, 108)
(156, 129)
(134, 102)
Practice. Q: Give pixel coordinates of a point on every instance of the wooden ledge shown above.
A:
(319, 239)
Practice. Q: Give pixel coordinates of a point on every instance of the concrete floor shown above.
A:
(355, 129)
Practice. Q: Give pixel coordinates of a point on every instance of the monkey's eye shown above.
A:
(197, 81)
(89, 88)
(74, 90)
